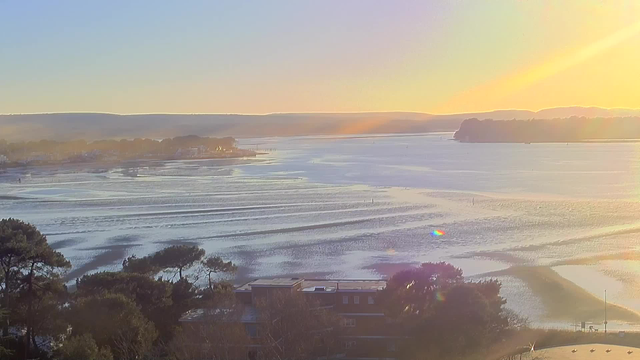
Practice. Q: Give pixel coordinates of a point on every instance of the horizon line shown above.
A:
(319, 112)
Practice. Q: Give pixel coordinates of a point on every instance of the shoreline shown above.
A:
(564, 300)
(586, 141)
(242, 154)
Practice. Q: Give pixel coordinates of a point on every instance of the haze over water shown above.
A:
(357, 207)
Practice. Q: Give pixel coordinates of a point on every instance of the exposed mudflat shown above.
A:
(366, 207)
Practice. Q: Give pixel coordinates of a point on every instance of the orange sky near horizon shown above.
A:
(332, 56)
(567, 76)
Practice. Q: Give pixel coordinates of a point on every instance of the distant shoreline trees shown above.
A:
(47, 151)
(557, 130)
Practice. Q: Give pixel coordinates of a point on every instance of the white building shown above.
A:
(3, 159)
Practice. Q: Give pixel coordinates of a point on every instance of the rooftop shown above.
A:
(247, 314)
(318, 285)
(275, 282)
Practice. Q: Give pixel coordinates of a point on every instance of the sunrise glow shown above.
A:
(418, 56)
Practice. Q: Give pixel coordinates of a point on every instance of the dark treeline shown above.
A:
(134, 313)
(557, 130)
(128, 314)
(48, 150)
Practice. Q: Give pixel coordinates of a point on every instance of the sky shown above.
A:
(254, 57)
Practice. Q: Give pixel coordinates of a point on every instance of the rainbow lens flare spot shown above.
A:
(437, 233)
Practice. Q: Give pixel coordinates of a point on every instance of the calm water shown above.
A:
(356, 207)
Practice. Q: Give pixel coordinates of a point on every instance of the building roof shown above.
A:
(318, 285)
(275, 282)
(343, 285)
(248, 314)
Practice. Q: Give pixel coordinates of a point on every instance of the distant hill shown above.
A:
(92, 126)
(555, 130)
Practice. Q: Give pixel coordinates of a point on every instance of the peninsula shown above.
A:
(573, 129)
(46, 152)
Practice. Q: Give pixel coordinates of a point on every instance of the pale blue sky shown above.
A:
(280, 56)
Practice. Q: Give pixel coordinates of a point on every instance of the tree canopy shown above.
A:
(114, 321)
(442, 315)
(176, 257)
(215, 265)
(32, 290)
(120, 314)
(124, 148)
(83, 347)
(414, 292)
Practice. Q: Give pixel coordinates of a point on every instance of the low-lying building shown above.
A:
(365, 332)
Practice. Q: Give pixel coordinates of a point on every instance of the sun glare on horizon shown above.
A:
(215, 57)
(496, 90)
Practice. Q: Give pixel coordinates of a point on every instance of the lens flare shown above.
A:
(437, 233)
(440, 296)
(491, 93)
